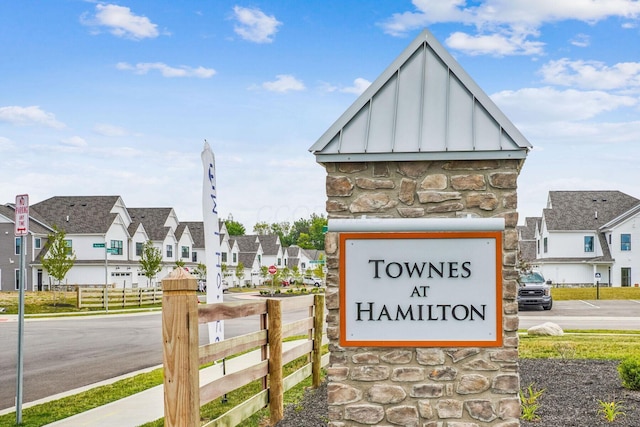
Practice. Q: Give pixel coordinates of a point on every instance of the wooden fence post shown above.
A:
(318, 323)
(180, 350)
(274, 337)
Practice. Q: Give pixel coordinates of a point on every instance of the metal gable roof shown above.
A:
(424, 106)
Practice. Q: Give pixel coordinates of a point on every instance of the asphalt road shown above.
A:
(67, 353)
(64, 354)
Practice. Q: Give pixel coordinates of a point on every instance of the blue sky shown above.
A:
(117, 98)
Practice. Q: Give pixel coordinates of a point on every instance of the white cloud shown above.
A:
(494, 44)
(74, 141)
(254, 25)
(284, 83)
(505, 25)
(6, 144)
(121, 22)
(581, 40)
(359, 86)
(109, 130)
(32, 115)
(166, 70)
(547, 104)
(592, 74)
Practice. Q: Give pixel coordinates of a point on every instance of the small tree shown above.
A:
(59, 258)
(150, 261)
(200, 271)
(180, 263)
(240, 272)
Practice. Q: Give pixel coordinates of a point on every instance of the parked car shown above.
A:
(312, 281)
(533, 290)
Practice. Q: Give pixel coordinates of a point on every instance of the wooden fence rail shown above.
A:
(107, 297)
(183, 391)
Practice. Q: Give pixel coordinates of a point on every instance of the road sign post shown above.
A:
(106, 271)
(21, 230)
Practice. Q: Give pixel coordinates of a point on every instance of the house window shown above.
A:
(588, 243)
(545, 247)
(117, 245)
(194, 256)
(185, 251)
(69, 244)
(538, 247)
(260, 259)
(18, 242)
(279, 261)
(625, 276)
(235, 258)
(169, 251)
(224, 257)
(625, 242)
(139, 248)
(37, 243)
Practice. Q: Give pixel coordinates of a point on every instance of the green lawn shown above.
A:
(564, 294)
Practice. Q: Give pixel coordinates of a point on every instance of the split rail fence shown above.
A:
(108, 297)
(182, 355)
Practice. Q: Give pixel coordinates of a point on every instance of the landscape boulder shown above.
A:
(547, 328)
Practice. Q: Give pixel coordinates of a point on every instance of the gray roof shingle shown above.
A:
(153, 220)
(78, 214)
(585, 210)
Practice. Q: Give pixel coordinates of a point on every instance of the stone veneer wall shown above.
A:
(425, 387)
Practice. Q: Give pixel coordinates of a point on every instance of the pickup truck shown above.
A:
(534, 291)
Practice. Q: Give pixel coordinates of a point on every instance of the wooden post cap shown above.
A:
(179, 280)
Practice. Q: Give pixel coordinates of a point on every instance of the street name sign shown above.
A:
(98, 245)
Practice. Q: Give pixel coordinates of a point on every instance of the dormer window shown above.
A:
(588, 243)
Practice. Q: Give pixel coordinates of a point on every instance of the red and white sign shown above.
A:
(22, 215)
(272, 269)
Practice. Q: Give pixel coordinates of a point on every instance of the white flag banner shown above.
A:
(212, 238)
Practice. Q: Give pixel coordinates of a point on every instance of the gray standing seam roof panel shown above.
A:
(423, 106)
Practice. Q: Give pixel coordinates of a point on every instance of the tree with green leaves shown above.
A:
(234, 228)
(59, 258)
(150, 261)
(240, 272)
(180, 263)
(201, 271)
(261, 228)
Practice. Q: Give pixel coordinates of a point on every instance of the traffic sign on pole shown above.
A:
(98, 245)
(272, 269)
(22, 215)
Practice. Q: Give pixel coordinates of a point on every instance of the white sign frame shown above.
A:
(381, 305)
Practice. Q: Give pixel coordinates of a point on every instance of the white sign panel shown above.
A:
(22, 215)
(421, 289)
(212, 238)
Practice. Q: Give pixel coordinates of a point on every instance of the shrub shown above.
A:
(629, 370)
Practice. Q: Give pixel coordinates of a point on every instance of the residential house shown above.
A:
(10, 250)
(250, 254)
(304, 259)
(586, 237)
(108, 238)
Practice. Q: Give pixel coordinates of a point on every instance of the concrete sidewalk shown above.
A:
(148, 405)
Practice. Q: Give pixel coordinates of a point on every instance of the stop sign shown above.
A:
(272, 269)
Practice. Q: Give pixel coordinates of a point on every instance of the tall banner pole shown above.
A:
(213, 258)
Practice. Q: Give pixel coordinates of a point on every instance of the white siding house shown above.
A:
(586, 237)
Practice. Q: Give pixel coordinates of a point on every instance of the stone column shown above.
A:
(426, 387)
